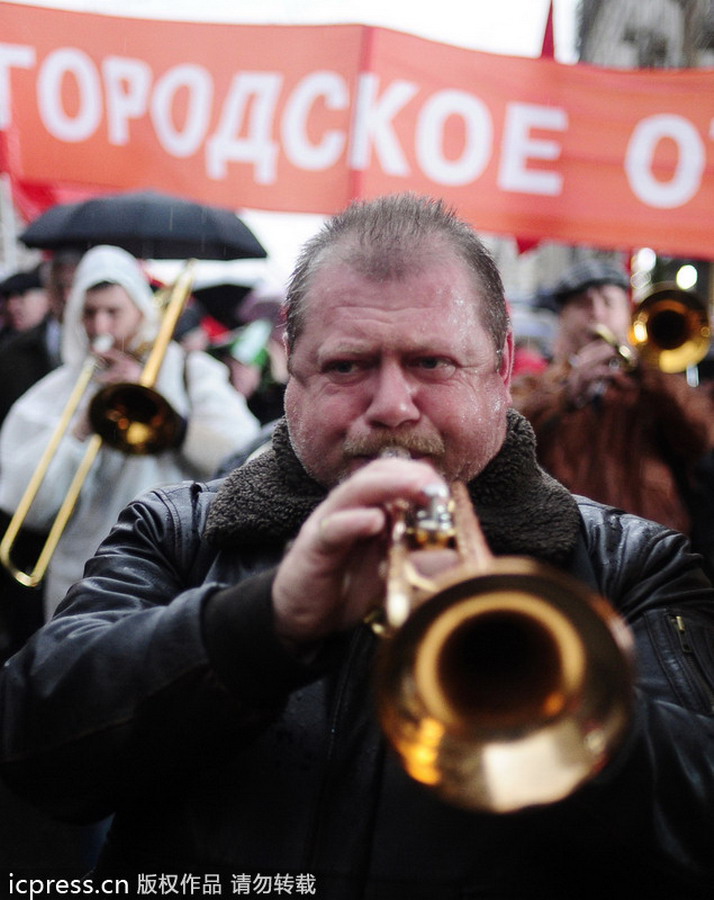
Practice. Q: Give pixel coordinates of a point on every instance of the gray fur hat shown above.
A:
(585, 274)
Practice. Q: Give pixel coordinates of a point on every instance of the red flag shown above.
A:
(548, 48)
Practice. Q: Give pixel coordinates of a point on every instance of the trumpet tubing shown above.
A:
(506, 684)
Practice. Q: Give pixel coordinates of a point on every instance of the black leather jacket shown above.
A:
(160, 694)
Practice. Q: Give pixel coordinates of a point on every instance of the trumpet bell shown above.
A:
(135, 419)
(670, 328)
(508, 689)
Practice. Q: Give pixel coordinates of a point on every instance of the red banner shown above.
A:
(304, 118)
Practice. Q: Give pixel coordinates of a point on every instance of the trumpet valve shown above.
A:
(432, 523)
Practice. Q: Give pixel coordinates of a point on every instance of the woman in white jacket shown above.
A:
(111, 295)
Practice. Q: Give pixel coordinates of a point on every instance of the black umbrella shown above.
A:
(149, 225)
(223, 301)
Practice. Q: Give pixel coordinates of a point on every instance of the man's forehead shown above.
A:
(403, 330)
(107, 295)
(436, 277)
(26, 297)
(352, 340)
(592, 291)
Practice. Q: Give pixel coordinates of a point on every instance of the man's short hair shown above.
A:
(585, 274)
(383, 239)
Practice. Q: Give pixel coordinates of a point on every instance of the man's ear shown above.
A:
(286, 347)
(506, 357)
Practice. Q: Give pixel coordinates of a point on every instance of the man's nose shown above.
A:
(393, 400)
(98, 324)
(600, 311)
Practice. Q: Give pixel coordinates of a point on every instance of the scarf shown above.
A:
(522, 510)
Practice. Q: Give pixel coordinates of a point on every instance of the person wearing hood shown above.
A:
(111, 297)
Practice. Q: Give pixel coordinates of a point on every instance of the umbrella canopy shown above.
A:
(148, 224)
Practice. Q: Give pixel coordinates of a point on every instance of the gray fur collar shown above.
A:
(522, 510)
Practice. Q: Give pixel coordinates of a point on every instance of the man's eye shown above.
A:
(434, 367)
(341, 367)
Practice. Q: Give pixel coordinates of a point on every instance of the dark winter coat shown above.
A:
(161, 694)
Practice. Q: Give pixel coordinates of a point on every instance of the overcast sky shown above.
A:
(500, 26)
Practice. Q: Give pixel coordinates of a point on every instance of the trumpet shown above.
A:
(624, 358)
(669, 329)
(502, 683)
(150, 425)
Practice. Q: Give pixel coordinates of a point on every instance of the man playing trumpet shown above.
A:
(215, 657)
(612, 426)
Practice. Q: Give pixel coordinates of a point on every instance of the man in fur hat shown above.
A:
(612, 426)
(210, 681)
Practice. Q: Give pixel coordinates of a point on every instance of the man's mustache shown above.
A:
(376, 444)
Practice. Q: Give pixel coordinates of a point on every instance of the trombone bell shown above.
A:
(135, 419)
(508, 684)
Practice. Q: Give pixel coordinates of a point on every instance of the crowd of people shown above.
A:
(204, 680)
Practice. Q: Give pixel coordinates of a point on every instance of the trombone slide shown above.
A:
(35, 576)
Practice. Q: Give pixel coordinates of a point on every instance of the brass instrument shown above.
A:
(624, 358)
(150, 427)
(671, 329)
(502, 683)
(132, 416)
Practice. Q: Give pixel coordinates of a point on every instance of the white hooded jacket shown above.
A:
(218, 423)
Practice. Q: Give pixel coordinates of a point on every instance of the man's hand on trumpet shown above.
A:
(332, 576)
(595, 366)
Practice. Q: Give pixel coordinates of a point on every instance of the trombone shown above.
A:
(501, 683)
(149, 426)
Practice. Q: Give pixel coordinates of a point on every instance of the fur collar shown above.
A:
(522, 510)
